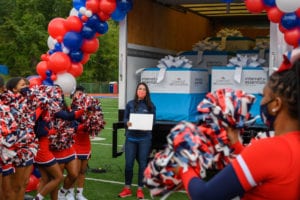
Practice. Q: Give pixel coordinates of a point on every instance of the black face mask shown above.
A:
(25, 91)
(266, 117)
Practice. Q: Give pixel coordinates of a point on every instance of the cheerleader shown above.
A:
(61, 145)
(16, 172)
(1, 90)
(82, 143)
(22, 102)
(51, 174)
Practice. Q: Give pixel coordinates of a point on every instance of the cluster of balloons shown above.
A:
(72, 40)
(284, 12)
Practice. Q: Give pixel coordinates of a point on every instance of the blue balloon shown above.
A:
(36, 172)
(124, 5)
(52, 51)
(77, 4)
(88, 32)
(76, 56)
(227, 1)
(102, 27)
(48, 80)
(118, 15)
(93, 20)
(73, 40)
(270, 3)
(290, 21)
(57, 47)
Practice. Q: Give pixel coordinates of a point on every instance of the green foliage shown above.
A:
(24, 34)
(103, 65)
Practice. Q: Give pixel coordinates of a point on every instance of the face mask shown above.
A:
(141, 94)
(24, 90)
(266, 117)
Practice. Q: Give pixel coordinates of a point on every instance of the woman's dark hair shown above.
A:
(286, 84)
(12, 83)
(147, 97)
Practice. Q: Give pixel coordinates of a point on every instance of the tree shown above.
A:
(24, 34)
(103, 66)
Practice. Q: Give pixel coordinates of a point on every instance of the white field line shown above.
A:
(116, 182)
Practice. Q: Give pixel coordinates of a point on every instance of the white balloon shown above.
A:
(288, 6)
(73, 12)
(51, 42)
(82, 10)
(66, 81)
(65, 50)
(88, 13)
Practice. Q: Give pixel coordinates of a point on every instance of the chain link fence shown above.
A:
(102, 87)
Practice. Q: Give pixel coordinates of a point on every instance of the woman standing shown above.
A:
(138, 142)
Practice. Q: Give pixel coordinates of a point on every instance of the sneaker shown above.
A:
(70, 196)
(126, 192)
(140, 194)
(61, 195)
(80, 196)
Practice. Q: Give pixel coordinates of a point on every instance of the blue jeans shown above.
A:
(139, 150)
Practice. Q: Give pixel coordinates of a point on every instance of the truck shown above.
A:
(154, 29)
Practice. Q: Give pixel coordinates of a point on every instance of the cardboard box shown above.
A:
(248, 53)
(209, 58)
(235, 43)
(176, 98)
(177, 80)
(253, 79)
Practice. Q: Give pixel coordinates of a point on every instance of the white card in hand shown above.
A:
(143, 122)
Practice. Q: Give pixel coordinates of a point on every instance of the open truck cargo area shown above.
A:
(154, 29)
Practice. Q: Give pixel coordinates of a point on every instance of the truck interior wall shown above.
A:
(249, 27)
(155, 25)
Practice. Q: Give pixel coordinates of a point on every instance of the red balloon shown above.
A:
(59, 62)
(90, 46)
(92, 5)
(35, 81)
(255, 6)
(85, 58)
(292, 37)
(41, 69)
(274, 14)
(53, 77)
(45, 57)
(32, 184)
(76, 69)
(107, 6)
(298, 12)
(57, 29)
(281, 28)
(73, 23)
(84, 18)
(103, 16)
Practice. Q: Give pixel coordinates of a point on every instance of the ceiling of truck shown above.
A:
(211, 8)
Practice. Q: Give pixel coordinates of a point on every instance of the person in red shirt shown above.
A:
(267, 168)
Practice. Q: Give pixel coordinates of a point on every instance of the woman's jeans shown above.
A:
(139, 150)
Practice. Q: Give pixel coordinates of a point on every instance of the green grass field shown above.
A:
(108, 185)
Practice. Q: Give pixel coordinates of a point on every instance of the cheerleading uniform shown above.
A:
(82, 145)
(266, 169)
(61, 143)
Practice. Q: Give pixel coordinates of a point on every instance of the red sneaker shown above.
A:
(126, 192)
(140, 194)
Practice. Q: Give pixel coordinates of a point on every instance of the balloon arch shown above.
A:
(72, 40)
